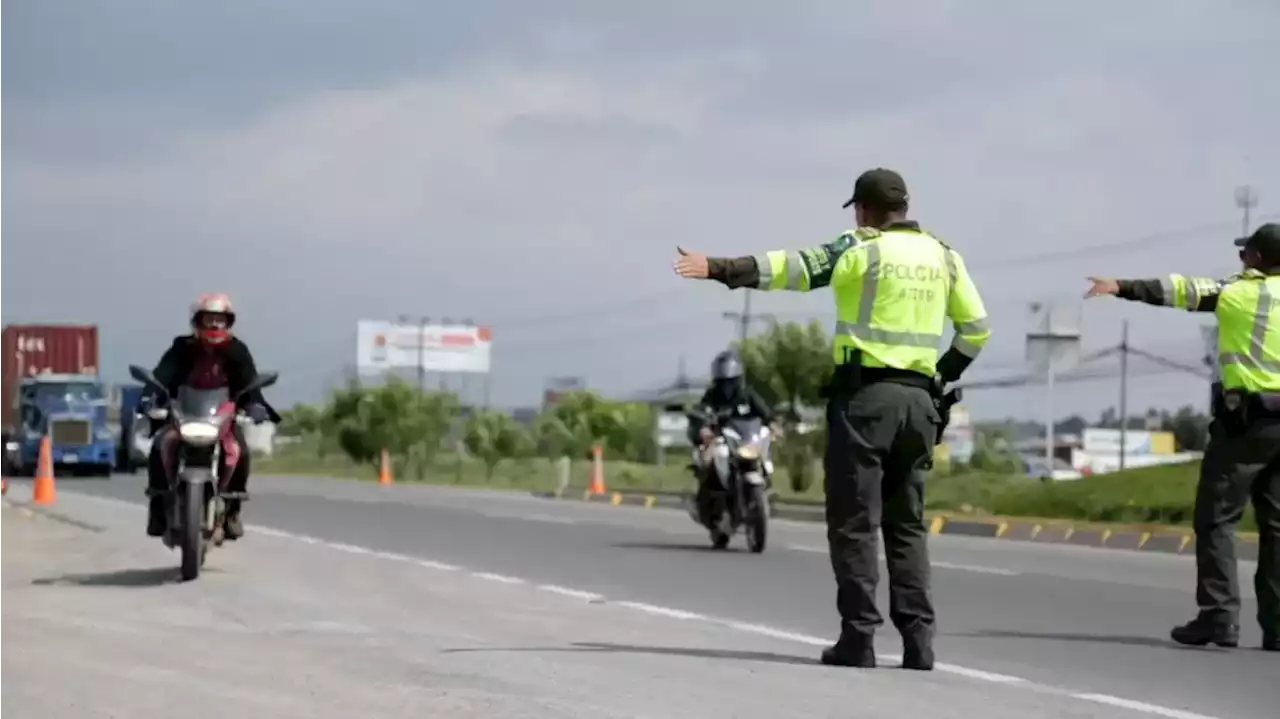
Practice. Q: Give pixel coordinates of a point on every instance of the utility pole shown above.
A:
(744, 318)
(421, 322)
(1246, 200)
(1124, 390)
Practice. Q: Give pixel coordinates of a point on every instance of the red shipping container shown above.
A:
(44, 349)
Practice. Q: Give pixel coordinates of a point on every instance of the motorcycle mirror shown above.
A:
(144, 376)
(264, 379)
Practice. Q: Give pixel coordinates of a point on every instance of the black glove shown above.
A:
(257, 413)
(943, 401)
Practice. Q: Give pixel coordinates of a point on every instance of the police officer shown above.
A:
(895, 285)
(1242, 459)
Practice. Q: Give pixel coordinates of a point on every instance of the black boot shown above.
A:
(155, 517)
(1200, 632)
(232, 525)
(851, 651)
(917, 652)
(1271, 641)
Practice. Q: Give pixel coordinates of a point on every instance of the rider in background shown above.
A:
(208, 358)
(728, 396)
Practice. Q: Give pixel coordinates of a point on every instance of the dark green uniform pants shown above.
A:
(1235, 470)
(879, 446)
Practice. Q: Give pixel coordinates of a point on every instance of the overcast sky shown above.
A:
(533, 164)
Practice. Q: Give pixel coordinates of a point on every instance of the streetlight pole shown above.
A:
(1246, 200)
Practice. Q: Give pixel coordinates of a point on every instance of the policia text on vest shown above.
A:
(895, 287)
(1242, 460)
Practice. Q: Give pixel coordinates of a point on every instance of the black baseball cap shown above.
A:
(879, 188)
(1266, 240)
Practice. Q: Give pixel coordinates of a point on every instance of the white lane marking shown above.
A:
(934, 563)
(759, 629)
(778, 633)
(498, 577)
(1140, 706)
(976, 673)
(975, 568)
(566, 591)
(660, 611)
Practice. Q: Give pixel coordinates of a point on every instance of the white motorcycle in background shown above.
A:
(738, 494)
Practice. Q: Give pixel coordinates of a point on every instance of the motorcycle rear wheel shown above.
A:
(192, 544)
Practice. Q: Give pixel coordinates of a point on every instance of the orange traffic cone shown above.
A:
(597, 471)
(384, 474)
(42, 490)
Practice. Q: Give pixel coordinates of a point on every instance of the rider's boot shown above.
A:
(155, 517)
(232, 525)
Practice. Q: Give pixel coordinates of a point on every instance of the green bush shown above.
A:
(1162, 495)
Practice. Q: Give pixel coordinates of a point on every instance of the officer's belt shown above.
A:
(1246, 406)
(848, 377)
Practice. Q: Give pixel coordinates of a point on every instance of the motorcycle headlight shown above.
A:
(199, 433)
(749, 451)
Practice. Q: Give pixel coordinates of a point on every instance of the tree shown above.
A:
(396, 417)
(1190, 428)
(577, 423)
(302, 420)
(789, 364)
(495, 436)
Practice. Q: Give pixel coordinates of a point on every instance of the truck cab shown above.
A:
(72, 411)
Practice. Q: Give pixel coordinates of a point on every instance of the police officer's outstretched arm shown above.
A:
(1193, 294)
(777, 270)
(967, 312)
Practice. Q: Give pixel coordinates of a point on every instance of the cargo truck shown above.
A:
(52, 388)
(135, 434)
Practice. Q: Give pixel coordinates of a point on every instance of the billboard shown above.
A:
(382, 346)
(1099, 441)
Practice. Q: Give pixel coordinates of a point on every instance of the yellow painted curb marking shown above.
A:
(616, 499)
(935, 527)
(649, 501)
(1036, 530)
(1002, 528)
(1142, 541)
(1070, 531)
(1186, 539)
(1106, 535)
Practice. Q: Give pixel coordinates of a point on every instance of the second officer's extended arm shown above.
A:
(783, 270)
(966, 311)
(1193, 294)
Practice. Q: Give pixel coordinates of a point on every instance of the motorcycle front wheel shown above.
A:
(757, 519)
(192, 543)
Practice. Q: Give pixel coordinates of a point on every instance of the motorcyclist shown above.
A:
(208, 358)
(728, 396)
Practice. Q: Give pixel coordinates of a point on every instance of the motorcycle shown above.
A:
(195, 501)
(739, 457)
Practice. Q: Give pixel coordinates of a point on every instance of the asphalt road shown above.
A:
(1036, 630)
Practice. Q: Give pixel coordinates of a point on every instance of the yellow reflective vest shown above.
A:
(894, 290)
(1247, 307)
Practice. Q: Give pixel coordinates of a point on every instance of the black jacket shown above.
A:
(179, 360)
(747, 403)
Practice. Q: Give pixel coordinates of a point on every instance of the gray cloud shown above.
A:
(326, 161)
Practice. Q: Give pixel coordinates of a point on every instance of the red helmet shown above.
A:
(211, 318)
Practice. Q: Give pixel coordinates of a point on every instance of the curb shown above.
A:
(1017, 530)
